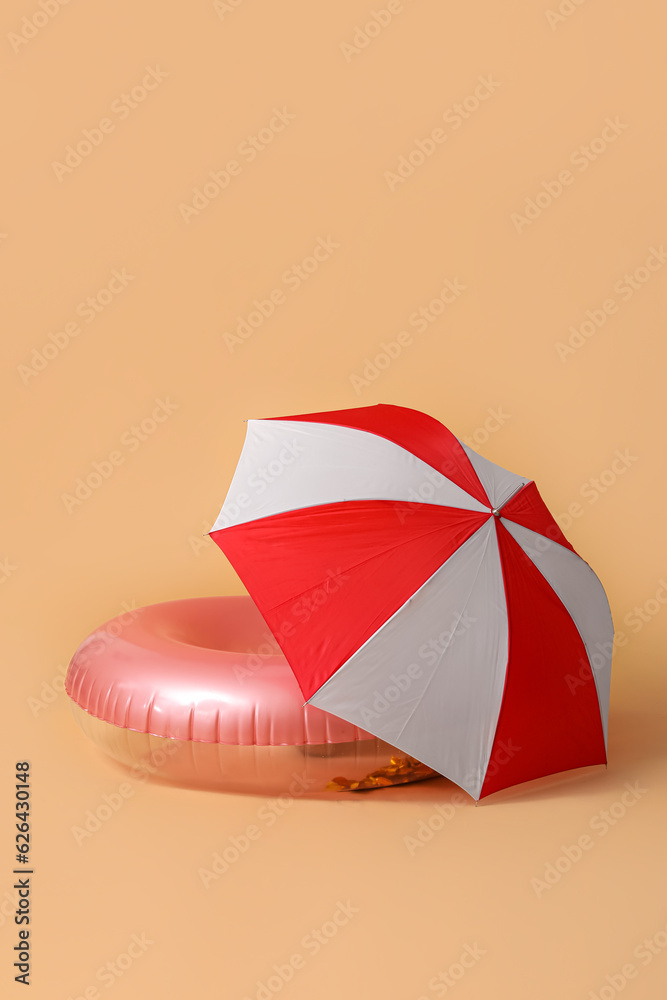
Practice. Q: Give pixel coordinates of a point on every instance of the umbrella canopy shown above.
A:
(422, 593)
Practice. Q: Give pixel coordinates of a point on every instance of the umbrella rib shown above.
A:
(346, 500)
(435, 669)
(513, 493)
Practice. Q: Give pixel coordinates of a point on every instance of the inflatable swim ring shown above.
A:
(197, 692)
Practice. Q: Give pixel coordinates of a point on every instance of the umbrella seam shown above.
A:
(329, 503)
(435, 668)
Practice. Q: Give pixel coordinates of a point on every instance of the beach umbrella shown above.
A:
(422, 593)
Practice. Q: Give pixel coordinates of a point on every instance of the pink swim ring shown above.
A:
(197, 692)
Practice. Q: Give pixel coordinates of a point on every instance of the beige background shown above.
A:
(489, 367)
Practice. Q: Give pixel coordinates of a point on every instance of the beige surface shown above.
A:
(326, 175)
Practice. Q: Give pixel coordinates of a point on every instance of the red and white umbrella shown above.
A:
(422, 593)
